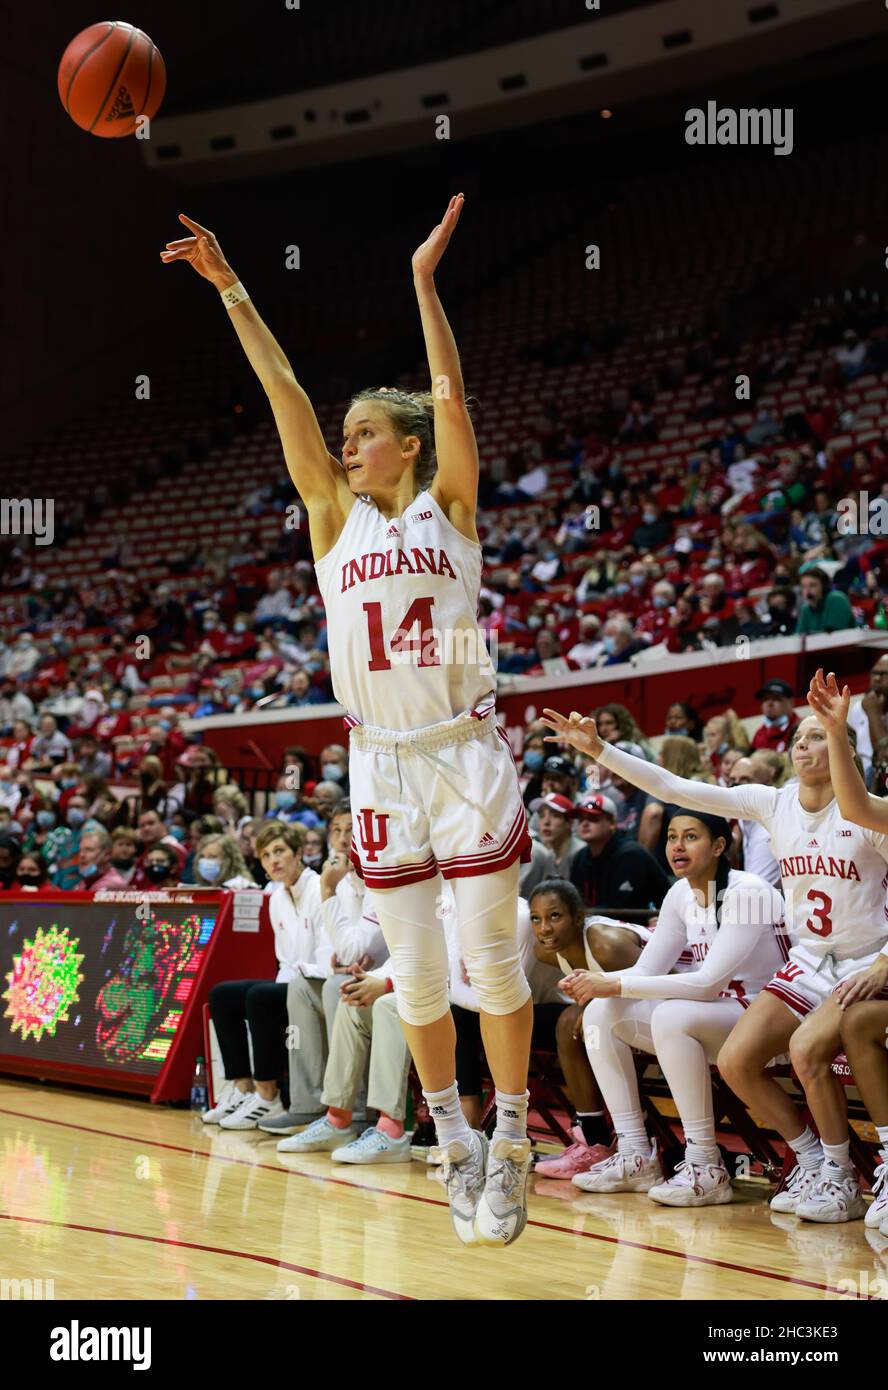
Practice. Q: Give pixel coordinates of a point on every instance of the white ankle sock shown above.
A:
(511, 1116)
(838, 1154)
(700, 1142)
(882, 1132)
(450, 1122)
(632, 1135)
(807, 1150)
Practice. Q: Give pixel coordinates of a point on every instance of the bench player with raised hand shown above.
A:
(434, 787)
(833, 880)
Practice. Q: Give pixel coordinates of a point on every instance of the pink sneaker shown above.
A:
(579, 1158)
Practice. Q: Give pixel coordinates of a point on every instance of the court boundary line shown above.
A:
(687, 1256)
(211, 1250)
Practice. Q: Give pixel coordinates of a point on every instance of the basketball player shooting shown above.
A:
(434, 787)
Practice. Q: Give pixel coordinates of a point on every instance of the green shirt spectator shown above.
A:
(823, 609)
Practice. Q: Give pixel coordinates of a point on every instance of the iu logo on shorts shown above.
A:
(372, 831)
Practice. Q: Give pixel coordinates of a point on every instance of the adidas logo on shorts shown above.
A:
(486, 839)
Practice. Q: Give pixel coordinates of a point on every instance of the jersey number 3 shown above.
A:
(420, 611)
(823, 926)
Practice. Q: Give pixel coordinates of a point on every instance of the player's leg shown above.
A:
(763, 1033)
(836, 1195)
(865, 1043)
(591, 1129)
(612, 1028)
(486, 914)
(415, 938)
(688, 1036)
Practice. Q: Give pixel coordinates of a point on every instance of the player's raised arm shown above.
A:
(749, 803)
(855, 802)
(315, 473)
(456, 481)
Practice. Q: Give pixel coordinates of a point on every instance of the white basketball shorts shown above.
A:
(806, 979)
(442, 799)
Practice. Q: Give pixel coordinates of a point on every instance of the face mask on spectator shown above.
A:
(285, 801)
(257, 691)
(240, 627)
(660, 601)
(535, 621)
(156, 872)
(209, 869)
(637, 581)
(121, 864)
(165, 724)
(209, 624)
(29, 880)
(676, 733)
(778, 615)
(780, 723)
(332, 772)
(67, 782)
(312, 860)
(178, 833)
(45, 819)
(88, 870)
(265, 653)
(117, 702)
(534, 759)
(649, 518)
(621, 588)
(610, 645)
(75, 817)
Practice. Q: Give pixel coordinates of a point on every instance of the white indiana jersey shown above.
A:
(402, 602)
(832, 872)
(747, 901)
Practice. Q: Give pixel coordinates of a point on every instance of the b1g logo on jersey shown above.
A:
(422, 516)
(372, 832)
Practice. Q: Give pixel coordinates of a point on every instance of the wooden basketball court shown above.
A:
(112, 1198)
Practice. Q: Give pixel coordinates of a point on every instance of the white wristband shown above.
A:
(233, 294)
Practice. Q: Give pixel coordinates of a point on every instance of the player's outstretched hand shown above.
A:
(864, 985)
(828, 703)
(202, 252)
(427, 256)
(580, 731)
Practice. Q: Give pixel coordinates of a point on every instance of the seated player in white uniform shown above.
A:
(833, 873)
(732, 924)
(862, 999)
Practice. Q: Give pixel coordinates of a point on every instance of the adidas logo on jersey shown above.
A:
(812, 844)
(392, 531)
(486, 839)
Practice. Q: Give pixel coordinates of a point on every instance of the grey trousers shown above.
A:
(356, 1033)
(311, 1009)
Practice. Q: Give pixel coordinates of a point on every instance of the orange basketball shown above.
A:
(109, 75)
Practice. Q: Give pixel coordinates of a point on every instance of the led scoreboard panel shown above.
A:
(109, 990)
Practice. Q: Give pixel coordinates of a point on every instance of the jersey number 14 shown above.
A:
(426, 644)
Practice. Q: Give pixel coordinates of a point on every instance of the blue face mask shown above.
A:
(610, 645)
(165, 724)
(75, 818)
(45, 819)
(88, 870)
(621, 588)
(660, 602)
(780, 723)
(332, 772)
(178, 833)
(257, 691)
(209, 869)
(285, 801)
(534, 759)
